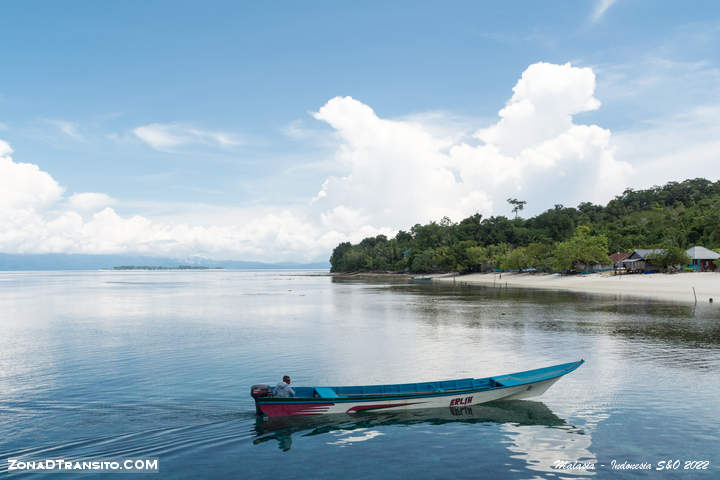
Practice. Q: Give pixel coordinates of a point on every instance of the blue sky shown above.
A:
(204, 114)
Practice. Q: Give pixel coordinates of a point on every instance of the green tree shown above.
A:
(496, 254)
(517, 205)
(424, 261)
(538, 256)
(477, 258)
(337, 259)
(459, 251)
(514, 259)
(678, 214)
(670, 259)
(443, 259)
(581, 248)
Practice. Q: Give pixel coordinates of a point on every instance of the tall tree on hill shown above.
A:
(518, 205)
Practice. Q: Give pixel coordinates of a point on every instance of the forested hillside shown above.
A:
(677, 215)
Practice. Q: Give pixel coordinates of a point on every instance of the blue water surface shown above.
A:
(141, 364)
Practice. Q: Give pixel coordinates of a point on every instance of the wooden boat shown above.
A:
(406, 396)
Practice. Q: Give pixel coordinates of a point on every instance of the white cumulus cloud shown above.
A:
(399, 173)
(395, 173)
(89, 202)
(23, 186)
(543, 103)
(36, 219)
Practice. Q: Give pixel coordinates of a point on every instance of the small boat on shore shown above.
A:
(406, 396)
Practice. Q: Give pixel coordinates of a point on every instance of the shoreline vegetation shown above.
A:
(551, 249)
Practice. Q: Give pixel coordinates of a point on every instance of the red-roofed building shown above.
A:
(618, 257)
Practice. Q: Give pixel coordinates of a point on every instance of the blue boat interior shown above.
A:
(470, 384)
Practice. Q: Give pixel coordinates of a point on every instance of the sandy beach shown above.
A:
(677, 287)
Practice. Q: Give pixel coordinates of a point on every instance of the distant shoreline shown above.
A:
(179, 267)
(675, 287)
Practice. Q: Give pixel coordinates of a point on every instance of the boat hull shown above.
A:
(443, 401)
(517, 386)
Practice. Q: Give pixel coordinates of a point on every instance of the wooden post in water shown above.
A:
(695, 295)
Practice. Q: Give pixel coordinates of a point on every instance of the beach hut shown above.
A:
(640, 260)
(702, 258)
(617, 259)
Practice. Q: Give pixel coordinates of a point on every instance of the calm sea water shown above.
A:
(159, 364)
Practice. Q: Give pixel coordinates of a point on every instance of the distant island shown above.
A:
(670, 218)
(179, 267)
(75, 261)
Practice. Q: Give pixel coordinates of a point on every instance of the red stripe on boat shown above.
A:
(382, 405)
(288, 409)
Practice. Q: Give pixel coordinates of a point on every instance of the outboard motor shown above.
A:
(259, 391)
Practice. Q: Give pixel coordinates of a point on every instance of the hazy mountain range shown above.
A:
(61, 261)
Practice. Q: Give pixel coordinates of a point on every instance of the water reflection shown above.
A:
(158, 364)
(480, 306)
(542, 448)
(364, 426)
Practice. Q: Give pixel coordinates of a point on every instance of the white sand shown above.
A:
(677, 287)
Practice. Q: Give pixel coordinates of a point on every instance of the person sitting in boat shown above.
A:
(283, 388)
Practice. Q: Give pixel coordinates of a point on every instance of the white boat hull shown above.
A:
(331, 406)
